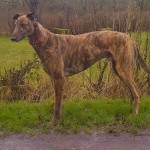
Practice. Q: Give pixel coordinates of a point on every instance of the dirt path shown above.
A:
(55, 141)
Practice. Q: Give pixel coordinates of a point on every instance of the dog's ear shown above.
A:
(16, 16)
(31, 16)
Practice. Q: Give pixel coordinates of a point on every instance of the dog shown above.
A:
(66, 55)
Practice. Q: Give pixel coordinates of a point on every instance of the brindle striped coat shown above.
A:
(66, 55)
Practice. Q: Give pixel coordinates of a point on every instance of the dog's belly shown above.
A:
(82, 64)
(73, 70)
(77, 68)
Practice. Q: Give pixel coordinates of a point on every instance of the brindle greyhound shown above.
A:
(66, 55)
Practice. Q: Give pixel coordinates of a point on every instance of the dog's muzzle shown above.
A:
(13, 38)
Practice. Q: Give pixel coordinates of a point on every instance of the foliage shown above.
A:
(16, 83)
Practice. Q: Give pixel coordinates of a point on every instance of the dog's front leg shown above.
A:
(58, 87)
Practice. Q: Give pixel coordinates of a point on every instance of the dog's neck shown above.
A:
(39, 36)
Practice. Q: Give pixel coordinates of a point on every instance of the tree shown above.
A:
(140, 4)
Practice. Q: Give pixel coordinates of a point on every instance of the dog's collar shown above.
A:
(35, 40)
(39, 37)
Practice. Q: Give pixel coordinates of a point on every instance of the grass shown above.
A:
(88, 115)
(11, 53)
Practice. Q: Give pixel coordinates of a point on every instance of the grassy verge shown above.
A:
(86, 115)
(11, 53)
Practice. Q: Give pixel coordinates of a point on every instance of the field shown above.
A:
(11, 54)
(84, 114)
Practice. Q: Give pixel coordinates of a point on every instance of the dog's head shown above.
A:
(24, 26)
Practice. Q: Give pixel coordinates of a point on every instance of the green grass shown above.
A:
(143, 40)
(86, 115)
(11, 53)
(24, 117)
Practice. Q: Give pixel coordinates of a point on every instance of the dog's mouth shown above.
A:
(14, 39)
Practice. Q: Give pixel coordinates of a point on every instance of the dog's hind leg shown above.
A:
(126, 75)
(115, 71)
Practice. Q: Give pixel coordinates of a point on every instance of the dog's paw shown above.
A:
(135, 112)
(53, 122)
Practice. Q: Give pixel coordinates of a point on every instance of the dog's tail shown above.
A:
(141, 61)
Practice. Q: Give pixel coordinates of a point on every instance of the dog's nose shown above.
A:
(13, 38)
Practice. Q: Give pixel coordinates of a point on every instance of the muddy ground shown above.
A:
(95, 141)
